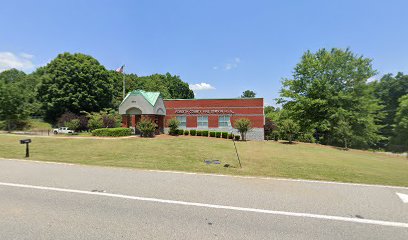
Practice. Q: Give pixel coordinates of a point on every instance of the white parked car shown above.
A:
(62, 130)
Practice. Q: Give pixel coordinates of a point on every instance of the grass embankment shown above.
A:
(307, 161)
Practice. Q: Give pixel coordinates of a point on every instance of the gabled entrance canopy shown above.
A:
(139, 102)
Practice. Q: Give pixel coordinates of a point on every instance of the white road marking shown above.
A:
(217, 175)
(243, 209)
(403, 197)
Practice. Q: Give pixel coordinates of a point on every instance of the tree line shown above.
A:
(76, 84)
(332, 99)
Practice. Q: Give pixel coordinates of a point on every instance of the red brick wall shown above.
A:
(242, 108)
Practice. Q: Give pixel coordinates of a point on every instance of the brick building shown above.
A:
(200, 114)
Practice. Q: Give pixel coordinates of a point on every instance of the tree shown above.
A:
(243, 125)
(400, 138)
(173, 124)
(289, 128)
(146, 127)
(389, 89)
(343, 132)
(13, 105)
(248, 94)
(329, 81)
(73, 124)
(75, 83)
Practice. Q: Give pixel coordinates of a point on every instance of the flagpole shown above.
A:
(124, 83)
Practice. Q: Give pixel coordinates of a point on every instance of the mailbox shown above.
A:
(25, 141)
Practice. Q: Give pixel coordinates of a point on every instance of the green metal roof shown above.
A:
(151, 97)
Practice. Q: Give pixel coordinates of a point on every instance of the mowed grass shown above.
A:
(186, 153)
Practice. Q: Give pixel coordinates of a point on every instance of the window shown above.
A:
(202, 121)
(224, 121)
(182, 120)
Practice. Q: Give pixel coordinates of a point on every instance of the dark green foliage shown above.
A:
(306, 137)
(74, 83)
(237, 137)
(146, 128)
(193, 132)
(248, 94)
(112, 132)
(173, 124)
(186, 132)
(389, 89)
(400, 138)
(217, 134)
(230, 136)
(13, 105)
(330, 82)
(204, 133)
(73, 124)
(224, 135)
(198, 132)
(180, 132)
(212, 134)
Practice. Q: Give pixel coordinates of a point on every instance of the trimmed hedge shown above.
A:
(217, 134)
(198, 132)
(180, 131)
(112, 132)
(230, 136)
(212, 134)
(204, 133)
(186, 132)
(237, 137)
(193, 132)
(224, 135)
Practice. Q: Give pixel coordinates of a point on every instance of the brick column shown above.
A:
(133, 120)
(125, 121)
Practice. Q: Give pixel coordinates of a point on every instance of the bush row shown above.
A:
(206, 133)
(112, 132)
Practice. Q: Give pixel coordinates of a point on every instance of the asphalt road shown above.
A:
(61, 201)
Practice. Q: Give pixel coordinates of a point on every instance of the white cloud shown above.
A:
(9, 60)
(201, 87)
(215, 67)
(233, 64)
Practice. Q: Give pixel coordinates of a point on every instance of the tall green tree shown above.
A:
(400, 137)
(13, 105)
(248, 94)
(389, 89)
(74, 83)
(327, 82)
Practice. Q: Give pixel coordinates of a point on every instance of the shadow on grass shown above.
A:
(289, 143)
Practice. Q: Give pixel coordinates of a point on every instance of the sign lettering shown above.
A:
(203, 112)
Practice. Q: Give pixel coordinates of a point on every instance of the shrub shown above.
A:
(224, 135)
(112, 132)
(186, 132)
(193, 132)
(237, 137)
(95, 121)
(217, 134)
(199, 132)
(275, 135)
(243, 125)
(73, 124)
(173, 124)
(230, 136)
(180, 132)
(147, 128)
(306, 137)
(289, 128)
(212, 134)
(204, 133)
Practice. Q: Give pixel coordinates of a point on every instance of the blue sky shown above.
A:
(230, 46)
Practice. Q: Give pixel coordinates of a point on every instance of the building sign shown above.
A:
(203, 112)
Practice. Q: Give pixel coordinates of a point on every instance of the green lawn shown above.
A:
(186, 153)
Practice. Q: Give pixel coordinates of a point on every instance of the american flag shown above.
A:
(120, 70)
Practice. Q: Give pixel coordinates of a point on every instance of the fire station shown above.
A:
(200, 114)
